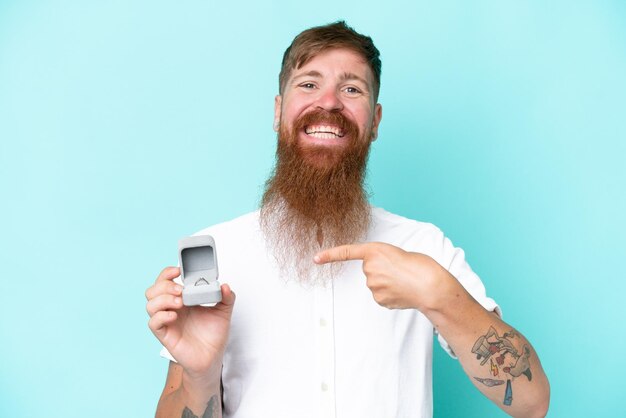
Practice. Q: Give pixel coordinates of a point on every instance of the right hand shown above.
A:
(195, 336)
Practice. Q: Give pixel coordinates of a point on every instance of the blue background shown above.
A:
(125, 125)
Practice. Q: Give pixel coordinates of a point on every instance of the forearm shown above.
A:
(176, 405)
(186, 397)
(499, 360)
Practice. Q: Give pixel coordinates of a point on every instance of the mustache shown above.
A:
(324, 117)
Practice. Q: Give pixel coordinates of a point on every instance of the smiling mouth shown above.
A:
(324, 131)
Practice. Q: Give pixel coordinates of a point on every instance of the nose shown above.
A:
(329, 100)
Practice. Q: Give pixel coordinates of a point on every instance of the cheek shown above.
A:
(293, 107)
(289, 116)
(362, 116)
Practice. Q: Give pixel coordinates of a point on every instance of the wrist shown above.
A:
(202, 385)
(449, 302)
(445, 292)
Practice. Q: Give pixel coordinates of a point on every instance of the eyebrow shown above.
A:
(312, 73)
(344, 77)
(352, 76)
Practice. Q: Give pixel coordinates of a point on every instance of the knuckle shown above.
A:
(150, 308)
(159, 303)
(154, 323)
(152, 291)
(161, 289)
(378, 298)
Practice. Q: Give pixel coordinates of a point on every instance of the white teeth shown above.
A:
(323, 135)
(323, 131)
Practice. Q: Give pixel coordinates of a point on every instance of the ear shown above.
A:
(278, 100)
(378, 115)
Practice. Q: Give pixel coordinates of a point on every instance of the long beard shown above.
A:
(315, 199)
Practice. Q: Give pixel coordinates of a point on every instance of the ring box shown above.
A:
(198, 270)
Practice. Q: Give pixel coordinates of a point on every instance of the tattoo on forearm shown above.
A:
(188, 414)
(213, 410)
(490, 382)
(509, 361)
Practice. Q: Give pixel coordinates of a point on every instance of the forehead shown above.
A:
(336, 61)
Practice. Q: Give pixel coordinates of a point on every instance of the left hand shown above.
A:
(398, 279)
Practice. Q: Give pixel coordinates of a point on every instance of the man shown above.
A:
(346, 331)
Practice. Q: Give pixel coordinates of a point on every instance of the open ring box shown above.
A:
(198, 269)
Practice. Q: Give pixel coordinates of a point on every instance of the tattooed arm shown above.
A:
(499, 361)
(196, 337)
(187, 399)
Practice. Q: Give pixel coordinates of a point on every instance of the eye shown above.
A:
(307, 86)
(352, 91)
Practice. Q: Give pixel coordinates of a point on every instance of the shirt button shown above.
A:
(324, 387)
(322, 322)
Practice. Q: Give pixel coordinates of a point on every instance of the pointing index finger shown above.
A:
(342, 253)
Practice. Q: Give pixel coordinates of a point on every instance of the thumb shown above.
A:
(228, 296)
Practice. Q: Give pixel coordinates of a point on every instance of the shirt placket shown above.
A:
(325, 321)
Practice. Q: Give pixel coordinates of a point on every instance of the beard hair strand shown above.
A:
(315, 199)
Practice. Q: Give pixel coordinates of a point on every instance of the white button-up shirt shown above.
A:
(328, 352)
